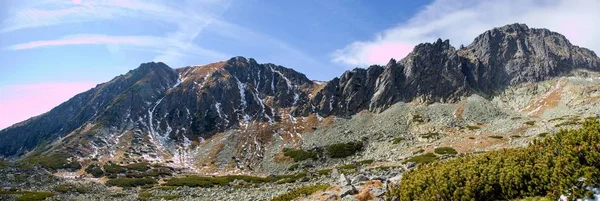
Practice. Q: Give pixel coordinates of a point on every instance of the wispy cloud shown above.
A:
(461, 21)
(189, 18)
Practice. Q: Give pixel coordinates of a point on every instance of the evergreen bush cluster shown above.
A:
(563, 164)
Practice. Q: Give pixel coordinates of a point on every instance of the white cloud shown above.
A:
(462, 20)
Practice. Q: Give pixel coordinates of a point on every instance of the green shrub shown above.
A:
(34, 196)
(324, 171)
(366, 162)
(417, 118)
(293, 167)
(3, 163)
(418, 151)
(445, 150)
(282, 179)
(347, 166)
(71, 188)
(94, 171)
(430, 135)
(470, 127)
(114, 168)
(422, 159)
(307, 190)
(531, 123)
(200, 181)
(299, 154)
(568, 123)
(342, 150)
(142, 167)
(55, 161)
(549, 167)
(130, 182)
(168, 197)
(398, 140)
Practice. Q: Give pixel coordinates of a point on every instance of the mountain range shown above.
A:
(159, 114)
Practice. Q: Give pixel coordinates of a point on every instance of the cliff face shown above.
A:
(515, 54)
(164, 110)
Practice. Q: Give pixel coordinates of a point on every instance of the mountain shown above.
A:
(157, 113)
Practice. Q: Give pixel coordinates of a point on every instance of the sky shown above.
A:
(53, 49)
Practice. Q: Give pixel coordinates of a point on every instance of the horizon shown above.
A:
(78, 44)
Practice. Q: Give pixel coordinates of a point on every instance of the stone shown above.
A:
(344, 181)
(377, 192)
(409, 165)
(332, 197)
(359, 178)
(335, 173)
(349, 198)
(348, 190)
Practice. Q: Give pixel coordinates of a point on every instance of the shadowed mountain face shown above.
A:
(167, 108)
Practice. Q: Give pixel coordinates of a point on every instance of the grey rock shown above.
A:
(348, 190)
(377, 192)
(335, 173)
(343, 180)
(410, 165)
(349, 198)
(359, 178)
(331, 197)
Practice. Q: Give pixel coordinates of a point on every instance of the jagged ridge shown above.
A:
(171, 108)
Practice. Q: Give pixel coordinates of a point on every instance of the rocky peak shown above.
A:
(515, 54)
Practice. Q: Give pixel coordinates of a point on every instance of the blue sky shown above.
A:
(53, 49)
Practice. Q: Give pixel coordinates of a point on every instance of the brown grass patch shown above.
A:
(550, 99)
(364, 195)
(458, 113)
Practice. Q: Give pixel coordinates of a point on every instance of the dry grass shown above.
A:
(458, 113)
(550, 99)
(364, 195)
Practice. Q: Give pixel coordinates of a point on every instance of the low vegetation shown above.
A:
(54, 161)
(398, 140)
(130, 182)
(564, 164)
(142, 167)
(95, 171)
(430, 135)
(147, 195)
(35, 196)
(71, 188)
(205, 182)
(114, 168)
(471, 127)
(568, 123)
(299, 154)
(307, 190)
(445, 150)
(423, 159)
(531, 123)
(342, 150)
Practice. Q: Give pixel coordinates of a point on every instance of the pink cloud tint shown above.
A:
(381, 53)
(79, 40)
(20, 102)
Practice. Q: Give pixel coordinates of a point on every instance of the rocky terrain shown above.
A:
(241, 130)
